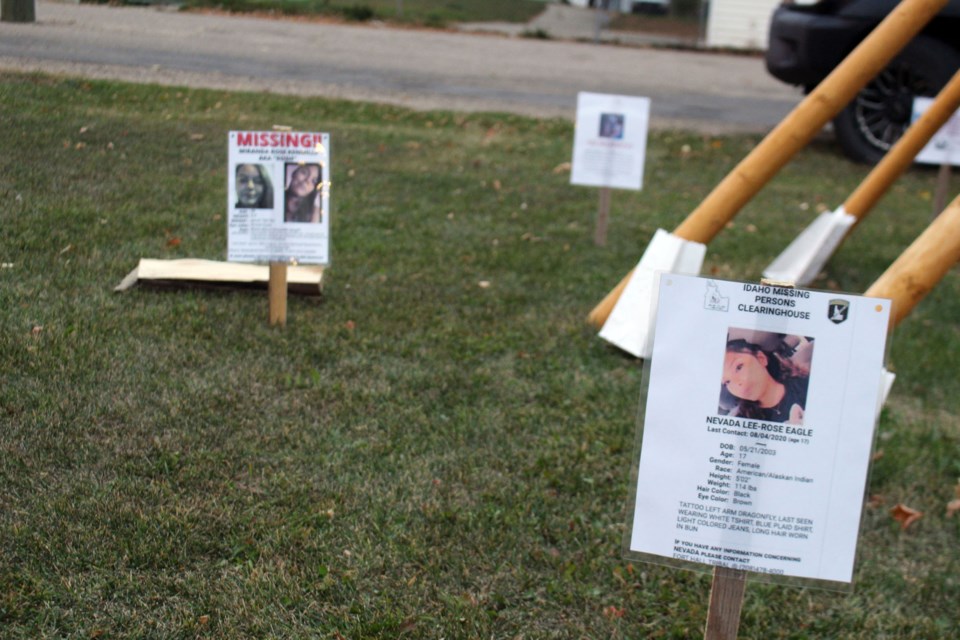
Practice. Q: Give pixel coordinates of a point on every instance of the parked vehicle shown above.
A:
(808, 38)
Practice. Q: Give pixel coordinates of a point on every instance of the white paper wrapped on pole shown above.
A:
(630, 324)
(805, 257)
(935, 124)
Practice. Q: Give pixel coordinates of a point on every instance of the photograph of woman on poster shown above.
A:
(302, 195)
(611, 125)
(253, 186)
(765, 376)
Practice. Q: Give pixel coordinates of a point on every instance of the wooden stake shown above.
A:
(277, 292)
(796, 130)
(943, 188)
(603, 214)
(922, 265)
(726, 601)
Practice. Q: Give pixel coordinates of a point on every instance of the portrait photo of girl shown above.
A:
(765, 376)
(253, 187)
(302, 192)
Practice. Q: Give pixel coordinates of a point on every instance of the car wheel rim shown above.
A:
(883, 109)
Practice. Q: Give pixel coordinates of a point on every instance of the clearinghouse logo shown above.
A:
(838, 310)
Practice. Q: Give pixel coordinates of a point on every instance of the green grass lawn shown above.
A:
(415, 455)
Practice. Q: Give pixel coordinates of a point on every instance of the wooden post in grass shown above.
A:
(922, 265)
(603, 214)
(943, 187)
(795, 131)
(18, 11)
(726, 601)
(277, 292)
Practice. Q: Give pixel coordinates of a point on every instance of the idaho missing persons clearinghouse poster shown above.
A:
(757, 427)
(278, 197)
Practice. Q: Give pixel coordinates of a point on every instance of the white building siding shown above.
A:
(739, 24)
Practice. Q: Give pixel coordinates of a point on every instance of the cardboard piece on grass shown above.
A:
(630, 323)
(804, 258)
(301, 279)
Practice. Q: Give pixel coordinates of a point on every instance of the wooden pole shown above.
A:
(18, 11)
(603, 214)
(901, 156)
(726, 601)
(796, 130)
(942, 189)
(924, 263)
(277, 292)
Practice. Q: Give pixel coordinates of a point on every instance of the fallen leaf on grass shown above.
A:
(563, 167)
(875, 501)
(196, 137)
(484, 284)
(614, 612)
(173, 242)
(905, 515)
(37, 330)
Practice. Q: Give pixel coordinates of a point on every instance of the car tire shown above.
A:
(878, 115)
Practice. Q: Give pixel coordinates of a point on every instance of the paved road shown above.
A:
(416, 68)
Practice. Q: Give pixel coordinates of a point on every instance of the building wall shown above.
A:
(739, 24)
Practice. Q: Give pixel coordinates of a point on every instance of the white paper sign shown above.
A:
(610, 141)
(758, 427)
(944, 146)
(278, 197)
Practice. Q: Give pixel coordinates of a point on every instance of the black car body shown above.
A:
(808, 40)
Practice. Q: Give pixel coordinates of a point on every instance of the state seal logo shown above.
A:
(837, 310)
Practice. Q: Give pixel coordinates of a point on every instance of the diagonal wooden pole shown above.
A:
(901, 156)
(796, 130)
(922, 265)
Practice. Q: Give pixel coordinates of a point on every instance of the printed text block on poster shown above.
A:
(758, 426)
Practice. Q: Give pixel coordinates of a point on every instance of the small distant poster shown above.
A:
(278, 197)
(757, 428)
(610, 142)
(944, 146)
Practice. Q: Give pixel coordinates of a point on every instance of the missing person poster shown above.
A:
(278, 197)
(610, 141)
(757, 427)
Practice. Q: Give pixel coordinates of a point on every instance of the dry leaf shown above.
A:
(203, 620)
(484, 284)
(614, 612)
(905, 515)
(563, 167)
(875, 501)
(877, 455)
(952, 507)
(196, 137)
(173, 242)
(496, 185)
(350, 325)
(37, 330)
